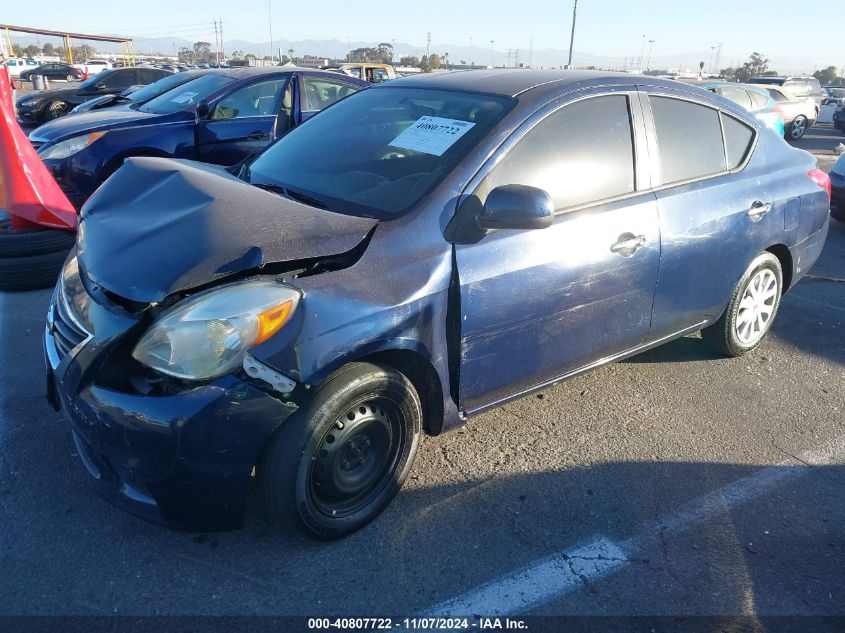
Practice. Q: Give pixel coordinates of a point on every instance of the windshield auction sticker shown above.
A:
(432, 135)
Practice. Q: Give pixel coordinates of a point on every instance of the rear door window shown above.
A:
(689, 139)
(738, 96)
(579, 154)
(321, 93)
(758, 101)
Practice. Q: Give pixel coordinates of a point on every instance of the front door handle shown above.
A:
(628, 244)
(758, 210)
(258, 136)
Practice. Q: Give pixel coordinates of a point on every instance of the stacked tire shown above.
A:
(31, 258)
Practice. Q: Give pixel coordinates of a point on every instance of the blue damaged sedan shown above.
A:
(222, 117)
(422, 251)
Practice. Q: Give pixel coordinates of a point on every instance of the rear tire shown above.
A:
(71, 77)
(752, 309)
(336, 463)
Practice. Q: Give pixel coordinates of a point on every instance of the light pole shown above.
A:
(470, 53)
(572, 36)
(491, 53)
(648, 61)
(712, 51)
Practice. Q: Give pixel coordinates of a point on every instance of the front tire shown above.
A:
(55, 110)
(752, 309)
(341, 459)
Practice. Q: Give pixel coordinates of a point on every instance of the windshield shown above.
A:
(153, 90)
(376, 153)
(94, 79)
(836, 93)
(186, 95)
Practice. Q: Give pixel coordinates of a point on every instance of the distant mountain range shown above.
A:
(546, 58)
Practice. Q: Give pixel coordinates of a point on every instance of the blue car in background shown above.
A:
(138, 95)
(755, 99)
(423, 251)
(220, 117)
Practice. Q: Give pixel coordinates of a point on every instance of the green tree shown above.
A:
(434, 61)
(187, 56)
(202, 50)
(48, 50)
(756, 66)
(409, 60)
(17, 50)
(32, 50)
(827, 76)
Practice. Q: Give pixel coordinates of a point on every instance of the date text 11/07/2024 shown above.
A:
(417, 624)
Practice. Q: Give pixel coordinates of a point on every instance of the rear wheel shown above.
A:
(752, 309)
(339, 461)
(797, 128)
(70, 77)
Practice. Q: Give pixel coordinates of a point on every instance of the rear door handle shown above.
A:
(628, 244)
(758, 210)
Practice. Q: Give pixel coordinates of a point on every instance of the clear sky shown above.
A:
(778, 28)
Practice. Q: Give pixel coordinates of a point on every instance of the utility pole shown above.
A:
(470, 53)
(516, 58)
(216, 44)
(648, 62)
(428, 44)
(710, 66)
(718, 57)
(270, 26)
(642, 49)
(531, 53)
(491, 53)
(572, 36)
(222, 46)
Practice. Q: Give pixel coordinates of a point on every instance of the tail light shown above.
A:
(821, 179)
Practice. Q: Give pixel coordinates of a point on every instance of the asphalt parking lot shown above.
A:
(677, 483)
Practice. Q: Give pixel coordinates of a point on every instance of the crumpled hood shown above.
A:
(160, 226)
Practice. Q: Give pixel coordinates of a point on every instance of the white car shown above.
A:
(93, 66)
(16, 65)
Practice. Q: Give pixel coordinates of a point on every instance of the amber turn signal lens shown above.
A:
(271, 321)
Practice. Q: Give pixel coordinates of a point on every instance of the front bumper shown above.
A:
(29, 114)
(183, 460)
(75, 181)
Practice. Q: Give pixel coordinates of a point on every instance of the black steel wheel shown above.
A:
(338, 462)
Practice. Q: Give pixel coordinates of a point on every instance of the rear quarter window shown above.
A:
(739, 138)
(689, 139)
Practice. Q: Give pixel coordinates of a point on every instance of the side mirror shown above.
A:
(516, 207)
(100, 86)
(202, 109)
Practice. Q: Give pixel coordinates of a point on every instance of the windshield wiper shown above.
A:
(290, 194)
(304, 198)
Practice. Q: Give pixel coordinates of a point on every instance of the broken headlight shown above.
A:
(209, 334)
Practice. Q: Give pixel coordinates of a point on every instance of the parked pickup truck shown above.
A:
(374, 73)
(16, 65)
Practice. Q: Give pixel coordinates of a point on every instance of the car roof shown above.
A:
(514, 82)
(242, 72)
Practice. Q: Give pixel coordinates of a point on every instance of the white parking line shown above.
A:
(569, 570)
